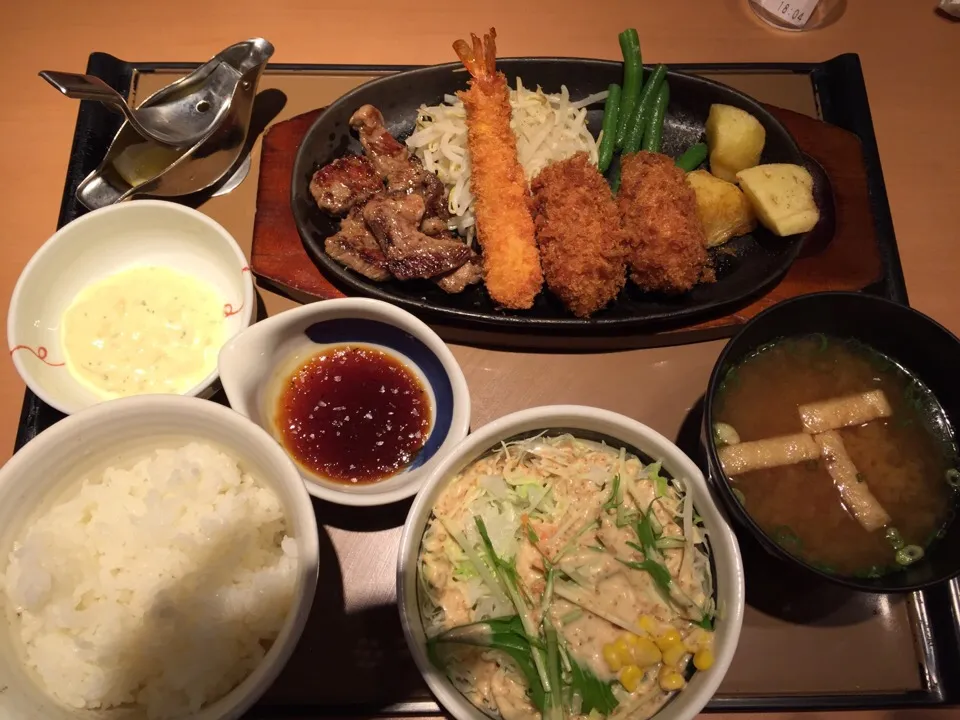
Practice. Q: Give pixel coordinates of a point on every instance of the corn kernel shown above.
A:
(612, 657)
(703, 659)
(630, 677)
(647, 624)
(631, 640)
(669, 637)
(672, 654)
(671, 680)
(646, 652)
(624, 652)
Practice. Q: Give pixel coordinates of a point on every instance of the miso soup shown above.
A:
(858, 485)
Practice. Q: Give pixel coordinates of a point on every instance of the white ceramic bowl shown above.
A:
(254, 365)
(102, 436)
(617, 428)
(102, 243)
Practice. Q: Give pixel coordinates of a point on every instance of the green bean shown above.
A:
(644, 105)
(615, 176)
(611, 111)
(632, 80)
(691, 159)
(654, 130)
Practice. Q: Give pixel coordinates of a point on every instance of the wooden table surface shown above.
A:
(910, 57)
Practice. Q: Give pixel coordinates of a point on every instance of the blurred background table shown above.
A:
(910, 55)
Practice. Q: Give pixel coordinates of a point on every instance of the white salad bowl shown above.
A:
(102, 243)
(45, 469)
(614, 429)
(255, 364)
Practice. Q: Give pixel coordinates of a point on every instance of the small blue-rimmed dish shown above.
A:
(255, 365)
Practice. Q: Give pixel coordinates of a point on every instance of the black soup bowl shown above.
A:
(923, 347)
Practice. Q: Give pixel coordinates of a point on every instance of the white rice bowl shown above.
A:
(158, 559)
(160, 585)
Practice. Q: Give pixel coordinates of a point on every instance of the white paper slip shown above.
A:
(794, 13)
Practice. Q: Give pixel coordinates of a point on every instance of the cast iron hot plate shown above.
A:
(745, 266)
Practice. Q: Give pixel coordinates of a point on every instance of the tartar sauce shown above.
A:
(143, 330)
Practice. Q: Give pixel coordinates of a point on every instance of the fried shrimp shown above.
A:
(511, 263)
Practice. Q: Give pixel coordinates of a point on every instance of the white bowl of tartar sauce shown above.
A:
(132, 299)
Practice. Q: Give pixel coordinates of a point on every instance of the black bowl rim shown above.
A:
(519, 322)
(722, 484)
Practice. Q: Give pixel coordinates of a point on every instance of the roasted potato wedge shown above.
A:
(735, 138)
(782, 196)
(723, 209)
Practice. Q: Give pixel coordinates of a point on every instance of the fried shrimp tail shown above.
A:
(480, 59)
(511, 262)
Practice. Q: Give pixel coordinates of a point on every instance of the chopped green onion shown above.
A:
(507, 575)
(706, 622)
(824, 567)
(787, 538)
(893, 537)
(532, 535)
(953, 478)
(645, 533)
(616, 498)
(661, 576)
(504, 634)
(725, 434)
(909, 554)
(554, 709)
(547, 593)
(595, 695)
(667, 543)
(654, 522)
(572, 616)
(738, 494)
(564, 658)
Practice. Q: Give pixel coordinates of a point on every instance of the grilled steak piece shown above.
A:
(355, 247)
(434, 195)
(394, 219)
(344, 183)
(393, 161)
(455, 281)
(434, 226)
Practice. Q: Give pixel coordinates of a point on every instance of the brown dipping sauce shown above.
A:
(353, 414)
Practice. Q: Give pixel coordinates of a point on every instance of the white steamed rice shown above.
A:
(162, 585)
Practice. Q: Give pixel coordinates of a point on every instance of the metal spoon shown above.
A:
(152, 122)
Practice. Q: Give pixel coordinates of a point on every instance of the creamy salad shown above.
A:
(563, 578)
